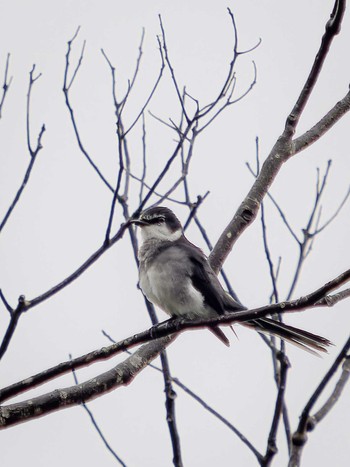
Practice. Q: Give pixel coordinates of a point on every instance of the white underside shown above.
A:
(179, 300)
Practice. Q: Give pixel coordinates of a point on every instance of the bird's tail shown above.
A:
(304, 339)
(219, 334)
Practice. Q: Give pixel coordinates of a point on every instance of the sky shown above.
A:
(62, 217)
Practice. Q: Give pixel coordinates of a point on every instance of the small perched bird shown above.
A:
(176, 276)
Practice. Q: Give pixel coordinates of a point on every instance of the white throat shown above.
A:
(159, 232)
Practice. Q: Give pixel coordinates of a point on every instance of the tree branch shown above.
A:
(283, 149)
(332, 29)
(32, 152)
(121, 375)
(6, 85)
(174, 326)
(306, 424)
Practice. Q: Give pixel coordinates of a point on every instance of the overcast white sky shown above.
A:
(63, 214)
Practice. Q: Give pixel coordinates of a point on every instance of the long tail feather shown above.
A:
(304, 339)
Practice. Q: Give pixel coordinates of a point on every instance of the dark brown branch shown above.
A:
(121, 375)
(96, 426)
(5, 302)
(332, 29)
(306, 423)
(14, 317)
(331, 219)
(271, 449)
(66, 88)
(6, 84)
(229, 84)
(68, 280)
(207, 407)
(170, 396)
(32, 152)
(25, 179)
(312, 300)
(309, 236)
(151, 94)
(277, 206)
(283, 149)
(168, 62)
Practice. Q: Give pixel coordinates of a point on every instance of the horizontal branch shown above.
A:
(174, 326)
(121, 375)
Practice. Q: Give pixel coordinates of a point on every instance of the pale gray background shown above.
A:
(63, 214)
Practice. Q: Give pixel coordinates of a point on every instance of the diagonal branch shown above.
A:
(283, 149)
(332, 29)
(121, 375)
(33, 152)
(97, 428)
(306, 424)
(6, 85)
(66, 89)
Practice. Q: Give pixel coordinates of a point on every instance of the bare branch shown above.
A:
(334, 397)
(331, 219)
(94, 257)
(121, 375)
(174, 326)
(5, 302)
(271, 449)
(277, 206)
(207, 407)
(66, 89)
(95, 425)
(321, 127)
(283, 149)
(332, 29)
(306, 245)
(32, 152)
(151, 94)
(172, 71)
(6, 85)
(306, 423)
(14, 317)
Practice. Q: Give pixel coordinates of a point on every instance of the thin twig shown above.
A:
(304, 246)
(66, 88)
(332, 29)
(96, 426)
(334, 397)
(204, 404)
(6, 303)
(33, 152)
(277, 206)
(151, 93)
(165, 48)
(14, 318)
(6, 85)
(306, 423)
(271, 449)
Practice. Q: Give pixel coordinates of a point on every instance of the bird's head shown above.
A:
(159, 223)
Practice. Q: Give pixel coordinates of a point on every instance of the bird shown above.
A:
(176, 276)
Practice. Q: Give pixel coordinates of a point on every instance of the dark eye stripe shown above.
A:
(155, 220)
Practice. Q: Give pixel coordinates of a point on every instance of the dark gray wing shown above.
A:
(205, 281)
